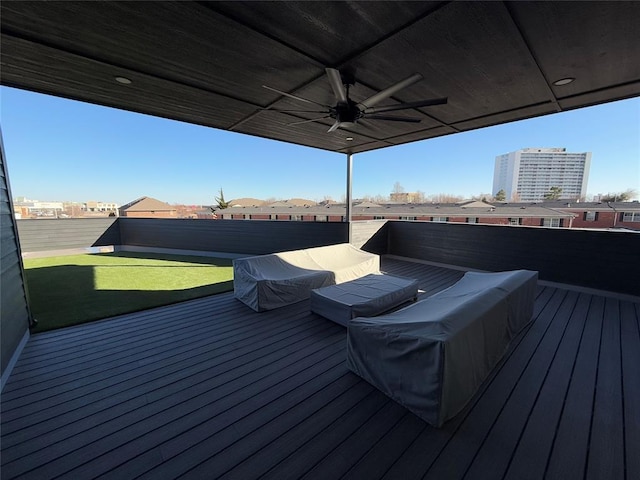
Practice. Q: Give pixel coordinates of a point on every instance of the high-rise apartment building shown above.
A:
(527, 175)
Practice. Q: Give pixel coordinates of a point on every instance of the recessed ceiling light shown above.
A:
(123, 80)
(349, 139)
(563, 81)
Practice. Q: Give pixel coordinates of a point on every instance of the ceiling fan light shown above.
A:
(563, 81)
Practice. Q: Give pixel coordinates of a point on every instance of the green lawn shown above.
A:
(75, 289)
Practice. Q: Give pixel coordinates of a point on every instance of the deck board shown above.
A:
(607, 437)
(495, 454)
(530, 457)
(630, 336)
(570, 447)
(467, 440)
(210, 389)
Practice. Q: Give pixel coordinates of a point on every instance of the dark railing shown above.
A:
(69, 233)
(601, 260)
(254, 237)
(596, 259)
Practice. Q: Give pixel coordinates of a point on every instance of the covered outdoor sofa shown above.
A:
(433, 355)
(266, 282)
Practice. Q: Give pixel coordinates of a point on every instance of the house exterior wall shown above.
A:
(15, 317)
(633, 224)
(606, 218)
(528, 214)
(603, 219)
(493, 220)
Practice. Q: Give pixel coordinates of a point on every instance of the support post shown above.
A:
(349, 200)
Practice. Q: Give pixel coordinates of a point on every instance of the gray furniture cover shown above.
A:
(270, 281)
(433, 355)
(367, 296)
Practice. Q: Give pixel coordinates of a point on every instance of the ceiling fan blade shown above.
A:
(307, 121)
(334, 127)
(293, 111)
(387, 92)
(404, 106)
(335, 79)
(293, 96)
(393, 119)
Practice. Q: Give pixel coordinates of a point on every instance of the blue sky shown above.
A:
(62, 150)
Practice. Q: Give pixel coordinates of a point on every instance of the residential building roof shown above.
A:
(146, 204)
(246, 202)
(593, 206)
(434, 210)
(301, 202)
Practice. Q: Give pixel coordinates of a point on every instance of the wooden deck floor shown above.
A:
(210, 389)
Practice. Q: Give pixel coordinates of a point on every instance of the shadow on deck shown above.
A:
(210, 389)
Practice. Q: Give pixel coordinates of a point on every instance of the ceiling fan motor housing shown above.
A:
(347, 112)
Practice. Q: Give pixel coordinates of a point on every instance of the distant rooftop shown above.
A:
(146, 204)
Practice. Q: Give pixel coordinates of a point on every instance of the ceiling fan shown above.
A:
(347, 113)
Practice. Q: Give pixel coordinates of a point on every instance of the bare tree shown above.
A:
(446, 198)
(483, 197)
(397, 188)
(620, 196)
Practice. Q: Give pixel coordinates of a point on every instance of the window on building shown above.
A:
(407, 218)
(551, 222)
(439, 219)
(472, 219)
(515, 221)
(590, 216)
(631, 217)
(378, 217)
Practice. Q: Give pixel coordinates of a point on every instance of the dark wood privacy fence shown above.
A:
(230, 236)
(596, 259)
(67, 233)
(370, 235)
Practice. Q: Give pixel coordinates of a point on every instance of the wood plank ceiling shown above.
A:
(206, 62)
